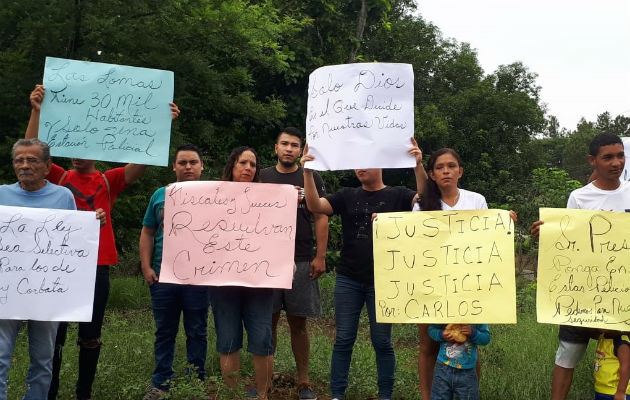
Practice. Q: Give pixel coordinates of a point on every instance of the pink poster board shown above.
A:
(229, 234)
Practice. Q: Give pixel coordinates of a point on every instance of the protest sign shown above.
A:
(229, 234)
(47, 263)
(584, 268)
(106, 112)
(360, 116)
(444, 266)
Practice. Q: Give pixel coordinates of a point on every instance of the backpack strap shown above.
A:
(63, 176)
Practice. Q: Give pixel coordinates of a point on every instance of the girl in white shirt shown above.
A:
(441, 192)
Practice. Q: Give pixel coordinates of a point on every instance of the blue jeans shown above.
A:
(41, 346)
(449, 381)
(169, 301)
(350, 296)
(601, 396)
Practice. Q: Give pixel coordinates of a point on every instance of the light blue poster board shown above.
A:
(106, 112)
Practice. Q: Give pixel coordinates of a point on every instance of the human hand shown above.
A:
(306, 157)
(318, 267)
(101, 216)
(415, 151)
(535, 229)
(149, 276)
(300, 196)
(174, 110)
(465, 329)
(513, 215)
(36, 97)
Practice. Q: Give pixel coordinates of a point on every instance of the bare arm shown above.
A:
(36, 98)
(147, 236)
(419, 172)
(315, 204)
(133, 172)
(623, 354)
(318, 265)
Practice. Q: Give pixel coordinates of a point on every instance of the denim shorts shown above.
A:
(234, 307)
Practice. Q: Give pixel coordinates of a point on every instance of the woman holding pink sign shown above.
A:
(235, 306)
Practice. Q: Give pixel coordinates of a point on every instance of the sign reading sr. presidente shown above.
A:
(445, 266)
(106, 112)
(584, 268)
(229, 234)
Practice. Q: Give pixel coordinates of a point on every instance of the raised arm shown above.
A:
(36, 98)
(419, 172)
(315, 204)
(133, 172)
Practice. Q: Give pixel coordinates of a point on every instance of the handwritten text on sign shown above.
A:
(229, 234)
(445, 266)
(584, 268)
(360, 116)
(47, 263)
(106, 112)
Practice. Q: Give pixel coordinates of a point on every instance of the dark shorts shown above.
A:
(304, 298)
(234, 307)
(576, 334)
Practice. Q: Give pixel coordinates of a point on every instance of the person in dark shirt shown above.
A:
(354, 285)
(303, 300)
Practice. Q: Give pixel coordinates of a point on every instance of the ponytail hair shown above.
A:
(431, 199)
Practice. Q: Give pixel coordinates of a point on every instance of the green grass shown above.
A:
(517, 364)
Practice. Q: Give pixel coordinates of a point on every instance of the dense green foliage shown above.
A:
(241, 72)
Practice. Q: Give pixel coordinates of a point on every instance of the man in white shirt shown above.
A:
(608, 193)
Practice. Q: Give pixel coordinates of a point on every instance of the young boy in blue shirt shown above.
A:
(455, 370)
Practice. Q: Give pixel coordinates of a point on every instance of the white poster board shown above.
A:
(47, 263)
(360, 116)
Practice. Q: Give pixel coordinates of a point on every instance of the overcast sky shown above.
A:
(579, 48)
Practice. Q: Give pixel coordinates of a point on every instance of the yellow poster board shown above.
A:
(444, 266)
(584, 268)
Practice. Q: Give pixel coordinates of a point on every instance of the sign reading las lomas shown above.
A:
(584, 269)
(106, 112)
(444, 266)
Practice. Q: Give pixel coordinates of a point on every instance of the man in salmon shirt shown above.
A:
(93, 190)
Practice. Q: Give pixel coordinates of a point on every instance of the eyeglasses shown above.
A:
(29, 160)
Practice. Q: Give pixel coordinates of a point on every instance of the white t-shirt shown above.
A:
(467, 201)
(590, 197)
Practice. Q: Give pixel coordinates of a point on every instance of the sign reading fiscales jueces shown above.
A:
(229, 234)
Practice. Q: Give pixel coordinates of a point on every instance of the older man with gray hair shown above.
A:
(31, 163)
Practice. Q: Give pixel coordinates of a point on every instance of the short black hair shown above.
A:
(293, 131)
(602, 139)
(187, 147)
